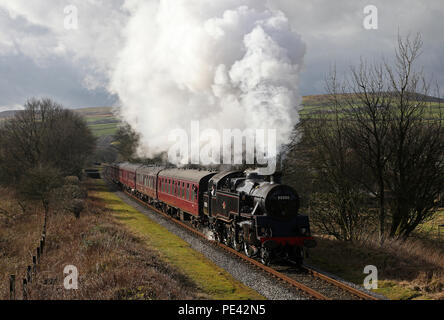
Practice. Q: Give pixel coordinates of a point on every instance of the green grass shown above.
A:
(393, 291)
(106, 129)
(211, 279)
(101, 120)
(321, 103)
(431, 228)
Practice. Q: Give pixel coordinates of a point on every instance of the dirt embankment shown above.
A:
(112, 263)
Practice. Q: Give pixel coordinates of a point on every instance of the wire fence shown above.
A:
(30, 272)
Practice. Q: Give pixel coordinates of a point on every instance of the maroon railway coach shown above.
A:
(183, 189)
(127, 175)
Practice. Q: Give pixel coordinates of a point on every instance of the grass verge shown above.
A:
(211, 279)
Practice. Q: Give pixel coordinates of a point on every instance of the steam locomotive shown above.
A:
(244, 210)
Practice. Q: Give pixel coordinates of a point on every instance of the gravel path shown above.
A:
(266, 285)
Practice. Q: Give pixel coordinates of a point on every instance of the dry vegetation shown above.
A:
(411, 269)
(112, 263)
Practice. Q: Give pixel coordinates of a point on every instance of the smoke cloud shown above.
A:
(225, 63)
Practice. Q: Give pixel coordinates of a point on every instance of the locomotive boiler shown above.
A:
(257, 214)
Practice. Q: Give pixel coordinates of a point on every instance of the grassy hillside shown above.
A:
(101, 120)
(320, 104)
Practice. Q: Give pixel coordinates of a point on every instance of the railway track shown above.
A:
(311, 283)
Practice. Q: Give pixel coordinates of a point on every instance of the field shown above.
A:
(102, 121)
(316, 104)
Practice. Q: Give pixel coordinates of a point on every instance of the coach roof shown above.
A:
(129, 167)
(186, 174)
(150, 170)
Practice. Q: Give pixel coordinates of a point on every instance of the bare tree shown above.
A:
(389, 128)
(41, 145)
(127, 141)
(43, 133)
(38, 184)
(322, 163)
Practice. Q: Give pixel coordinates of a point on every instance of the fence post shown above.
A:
(41, 246)
(29, 275)
(12, 287)
(38, 255)
(34, 265)
(25, 289)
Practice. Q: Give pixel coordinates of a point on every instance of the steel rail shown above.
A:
(340, 284)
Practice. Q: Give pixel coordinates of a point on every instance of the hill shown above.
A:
(101, 120)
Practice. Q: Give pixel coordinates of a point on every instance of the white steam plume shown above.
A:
(228, 64)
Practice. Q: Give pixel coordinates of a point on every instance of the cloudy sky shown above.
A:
(39, 56)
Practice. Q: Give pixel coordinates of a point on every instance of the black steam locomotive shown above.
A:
(245, 210)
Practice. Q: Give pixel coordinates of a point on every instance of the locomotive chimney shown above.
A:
(275, 178)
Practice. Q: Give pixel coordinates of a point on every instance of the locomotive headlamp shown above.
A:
(304, 231)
